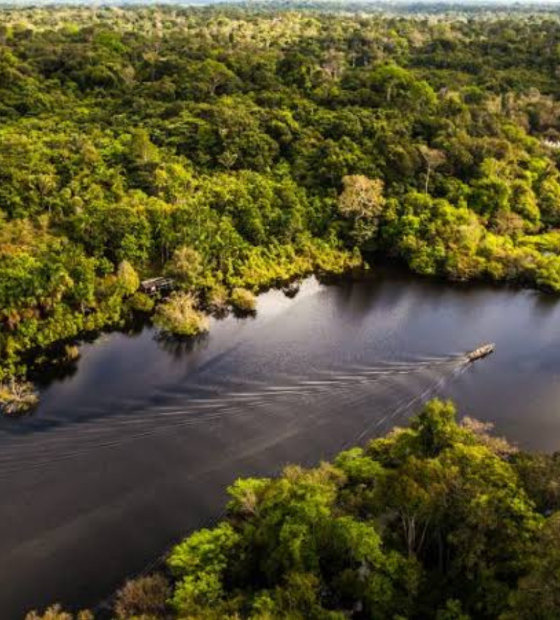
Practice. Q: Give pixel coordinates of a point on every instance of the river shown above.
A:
(135, 448)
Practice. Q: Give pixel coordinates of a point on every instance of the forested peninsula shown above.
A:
(235, 149)
(439, 521)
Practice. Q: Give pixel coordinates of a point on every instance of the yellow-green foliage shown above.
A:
(127, 278)
(186, 266)
(55, 612)
(265, 267)
(71, 353)
(217, 297)
(141, 302)
(243, 300)
(178, 316)
(17, 397)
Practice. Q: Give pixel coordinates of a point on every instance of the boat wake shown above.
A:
(368, 398)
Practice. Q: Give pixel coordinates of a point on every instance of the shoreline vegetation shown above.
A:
(440, 520)
(234, 150)
(17, 397)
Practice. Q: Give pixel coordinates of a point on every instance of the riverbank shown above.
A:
(383, 530)
(144, 424)
(130, 309)
(264, 270)
(232, 178)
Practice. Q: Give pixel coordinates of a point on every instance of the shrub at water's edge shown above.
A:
(243, 300)
(178, 316)
(17, 397)
(143, 597)
(436, 521)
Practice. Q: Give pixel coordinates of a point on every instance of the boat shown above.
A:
(480, 352)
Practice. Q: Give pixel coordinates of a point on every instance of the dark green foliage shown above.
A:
(540, 474)
(538, 596)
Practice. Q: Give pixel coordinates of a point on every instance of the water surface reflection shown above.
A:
(136, 447)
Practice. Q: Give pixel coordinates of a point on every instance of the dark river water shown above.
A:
(136, 448)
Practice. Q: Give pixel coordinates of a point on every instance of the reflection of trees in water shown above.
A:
(545, 304)
(292, 289)
(179, 347)
(135, 325)
(56, 367)
(243, 314)
(60, 361)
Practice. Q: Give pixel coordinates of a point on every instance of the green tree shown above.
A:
(362, 202)
(178, 316)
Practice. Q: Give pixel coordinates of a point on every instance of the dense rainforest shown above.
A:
(235, 149)
(439, 520)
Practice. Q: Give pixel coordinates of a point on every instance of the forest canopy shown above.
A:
(237, 148)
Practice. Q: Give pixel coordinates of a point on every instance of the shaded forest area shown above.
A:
(236, 149)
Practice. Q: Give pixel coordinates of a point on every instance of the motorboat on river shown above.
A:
(480, 352)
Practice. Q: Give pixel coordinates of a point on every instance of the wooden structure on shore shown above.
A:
(157, 285)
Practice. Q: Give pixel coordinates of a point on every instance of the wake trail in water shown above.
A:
(198, 406)
(229, 405)
(302, 401)
(404, 408)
